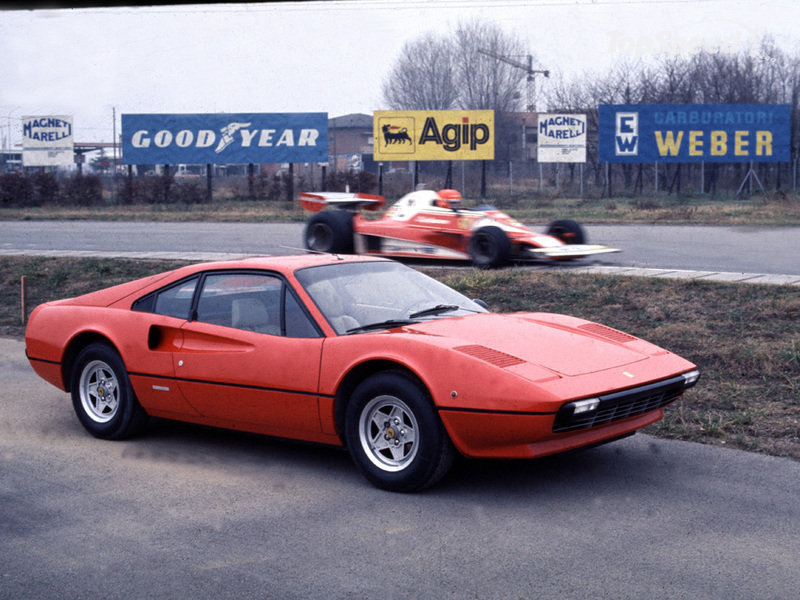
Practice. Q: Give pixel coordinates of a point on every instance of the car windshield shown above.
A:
(363, 296)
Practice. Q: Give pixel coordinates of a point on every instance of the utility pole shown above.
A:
(528, 68)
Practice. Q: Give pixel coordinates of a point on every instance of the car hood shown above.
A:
(559, 343)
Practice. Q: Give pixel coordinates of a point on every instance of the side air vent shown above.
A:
(607, 332)
(494, 357)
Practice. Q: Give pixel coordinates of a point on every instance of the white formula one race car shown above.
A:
(430, 224)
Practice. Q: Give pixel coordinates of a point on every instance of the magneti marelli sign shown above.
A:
(47, 141)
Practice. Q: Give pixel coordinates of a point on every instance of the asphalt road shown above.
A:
(771, 250)
(190, 512)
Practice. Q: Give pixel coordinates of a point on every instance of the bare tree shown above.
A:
(424, 77)
(437, 73)
(488, 82)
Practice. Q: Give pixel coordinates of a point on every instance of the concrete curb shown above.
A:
(761, 278)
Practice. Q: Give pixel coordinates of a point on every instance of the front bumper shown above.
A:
(508, 434)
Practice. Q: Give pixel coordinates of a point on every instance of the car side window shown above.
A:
(252, 302)
(298, 323)
(175, 301)
(243, 301)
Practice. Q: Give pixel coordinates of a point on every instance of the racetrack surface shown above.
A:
(724, 253)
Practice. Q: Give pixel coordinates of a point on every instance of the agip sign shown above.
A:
(219, 138)
(684, 133)
(433, 135)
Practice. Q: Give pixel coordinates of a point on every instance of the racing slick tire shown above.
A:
(568, 231)
(489, 247)
(394, 435)
(330, 231)
(102, 395)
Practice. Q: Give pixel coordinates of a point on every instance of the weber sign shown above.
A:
(47, 141)
(561, 138)
(685, 133)
(236, 138)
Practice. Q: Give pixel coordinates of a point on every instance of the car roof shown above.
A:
(284, 264)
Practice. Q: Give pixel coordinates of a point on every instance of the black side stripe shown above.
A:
(484, 411)
(231, 385)
(42, 360)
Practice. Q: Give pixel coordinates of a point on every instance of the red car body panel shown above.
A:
(497, 381)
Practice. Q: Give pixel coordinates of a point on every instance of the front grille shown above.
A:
(621, 405)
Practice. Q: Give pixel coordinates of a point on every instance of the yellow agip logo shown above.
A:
(434, 135)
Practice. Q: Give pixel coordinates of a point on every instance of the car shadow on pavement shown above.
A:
(618, 463)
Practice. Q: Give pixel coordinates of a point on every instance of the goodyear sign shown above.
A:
(433, 135)
(685, 133)
(218, 138)
(47, 141)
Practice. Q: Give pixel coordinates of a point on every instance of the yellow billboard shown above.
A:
(433, 134)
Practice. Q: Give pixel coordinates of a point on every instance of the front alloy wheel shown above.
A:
(387, 431)
(394, 435)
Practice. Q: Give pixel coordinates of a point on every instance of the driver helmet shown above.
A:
(448, 198)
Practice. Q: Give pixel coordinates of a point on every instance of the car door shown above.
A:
(154, 333)
(242, 362)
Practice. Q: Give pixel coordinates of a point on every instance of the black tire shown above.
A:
(330, 231)
(489, 247)
(568, 231)
(102, 395)
(394, 434)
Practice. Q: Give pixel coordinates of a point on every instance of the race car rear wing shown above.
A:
(316, 201)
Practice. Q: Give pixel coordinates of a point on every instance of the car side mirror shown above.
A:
(480, 303)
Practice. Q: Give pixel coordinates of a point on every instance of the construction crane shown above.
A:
(528, 68)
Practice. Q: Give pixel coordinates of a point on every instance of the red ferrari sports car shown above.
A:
(433, 224)
(360, 352)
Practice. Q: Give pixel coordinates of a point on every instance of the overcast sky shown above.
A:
(330, 56)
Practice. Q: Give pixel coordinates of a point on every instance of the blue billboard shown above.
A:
(224, 138)
(686, 133)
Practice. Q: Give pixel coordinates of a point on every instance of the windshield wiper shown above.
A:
(388, 324)
(434, 310)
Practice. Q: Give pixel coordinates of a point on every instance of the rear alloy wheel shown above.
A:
(102, 395)
(568, 231)
(489, 247)
(330, 231)
(394, 436)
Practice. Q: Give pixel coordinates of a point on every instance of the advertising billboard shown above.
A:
(433, 135)
(47, 141)
(561, 138)
(224, 138)
(685, 133)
